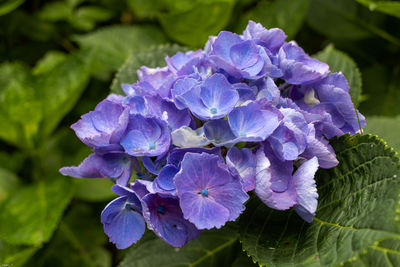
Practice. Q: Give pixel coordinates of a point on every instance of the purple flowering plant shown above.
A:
(189, 143)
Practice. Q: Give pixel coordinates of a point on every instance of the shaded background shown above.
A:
(58, 60)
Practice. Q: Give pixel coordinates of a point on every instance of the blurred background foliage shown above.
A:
(57, 61)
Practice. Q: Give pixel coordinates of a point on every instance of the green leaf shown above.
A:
(15, 256)
(206, 17)
(383, 253)
(382, 90)
(358, 207)
(213, 248)
(340, 62)
(388, 7)
(49, 61)
(20, 110)
(285, 14)
(55, 11)
(114, 44)
(337, 19)
(154, 57)
(86, 17)
(60, 88)
(80, 239)
(8, 182)
(387, 128)
(144, 8)
(6, 6)
(32, 214)
(94, 190)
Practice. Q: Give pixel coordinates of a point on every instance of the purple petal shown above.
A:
(244, 162)
(251, 124)
(165, 218)
(103, 126)
(219, 132)
(89, 168)
(209, 194)
(306, 189)
(122, 224)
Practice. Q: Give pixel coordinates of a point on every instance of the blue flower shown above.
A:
(209, 194)
(212, 99)
(115, 165)
(146, 136)
(104, 126)
(278, 189)
(271, 39)
(244, 162)
(122, 218)
(241, 58)
(331, 95)
(164, 216)
(298, 67)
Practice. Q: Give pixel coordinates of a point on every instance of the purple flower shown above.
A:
(241, 58)
(164, 216)
(244, 162)
(184, 63)
(298, 67)
(209, 194)
(104, 126)
(213, 99)
(122, 218)
(319, 147)
(271, 39)
(146, 137)
(176, 155)
(115, 165)
(268, 90)
(331, 95)
(278, 189)
(159, 79)
(289, 140)
(164, 183)
(252, 122)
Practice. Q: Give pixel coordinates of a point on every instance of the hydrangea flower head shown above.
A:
(189, 141)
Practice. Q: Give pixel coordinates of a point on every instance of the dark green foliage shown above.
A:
(59, 58)
(357, 209)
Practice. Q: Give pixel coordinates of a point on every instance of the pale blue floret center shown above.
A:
(213, 111)
(128, 206)
(161, 209)
(152, 146)
(204, 192)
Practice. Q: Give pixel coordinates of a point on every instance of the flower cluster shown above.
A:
(250, 112)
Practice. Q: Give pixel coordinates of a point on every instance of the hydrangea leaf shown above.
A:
(343, 22)
(386, 128)
(358, 208)
(8, 182)
(49, 61)
(381, 85)
(285, 14)
(9, 5)
(388, 7)
(31, 215)
(79, 238)
(94, 190)
(113, 44)
(18, 101)
(339, 61)
(154, 57)
(14, 255)
(60, 88)
(213, 248)
(207, 17)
